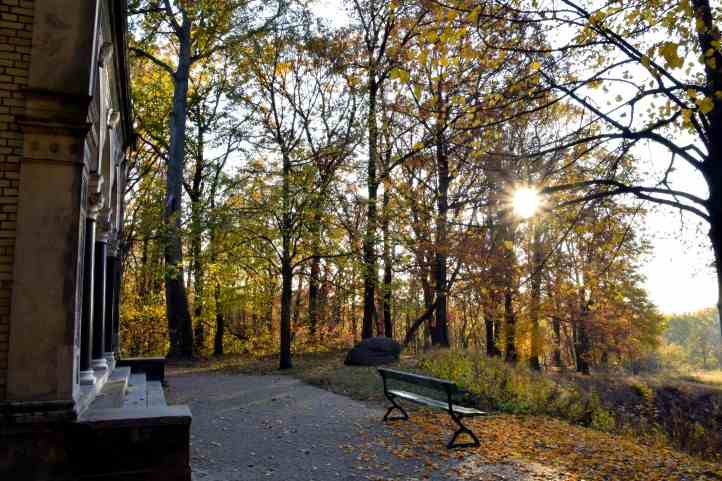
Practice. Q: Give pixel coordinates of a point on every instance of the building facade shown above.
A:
(65, 132)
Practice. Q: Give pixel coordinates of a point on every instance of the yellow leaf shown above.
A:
(668, 50)
(474, 14)
(706, 105)
(398, 73)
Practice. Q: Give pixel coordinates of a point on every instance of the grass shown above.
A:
(713, 378)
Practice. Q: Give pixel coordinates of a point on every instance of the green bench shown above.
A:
(448, 388)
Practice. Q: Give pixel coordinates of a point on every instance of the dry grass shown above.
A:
(713, 378)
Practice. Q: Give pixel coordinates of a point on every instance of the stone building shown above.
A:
(65, 131)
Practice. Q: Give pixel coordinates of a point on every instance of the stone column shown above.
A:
(86, 376)
(99, 284)
(57, 142)
(88, 334)
(118, 271)
(45, 320)
(110, 287)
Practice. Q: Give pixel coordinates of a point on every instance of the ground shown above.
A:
(278, 427)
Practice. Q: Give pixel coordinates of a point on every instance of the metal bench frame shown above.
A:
(447, 387)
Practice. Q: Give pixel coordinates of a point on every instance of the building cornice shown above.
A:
(119, 26)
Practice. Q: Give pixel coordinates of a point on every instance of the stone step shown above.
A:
(156, 395)
(137, 393)
(113, 391)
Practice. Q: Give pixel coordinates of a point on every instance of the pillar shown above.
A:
(86, 375)
(110, 287)
(99, 285)
(116, 300)
(45, 321)
(89, 328)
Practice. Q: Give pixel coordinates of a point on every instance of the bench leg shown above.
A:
(395, 406)
(462, 429)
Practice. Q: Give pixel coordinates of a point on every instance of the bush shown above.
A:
(496, 385)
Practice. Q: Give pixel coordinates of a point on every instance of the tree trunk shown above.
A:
(491, 325)
(313, 280)
(708, 38)
(492, 337)
(557, 328)
(421, 320)
(286, 268)
(354, 320)
(714, 181)
(323, 294)
(297, 303)
(510, 327)
(440, 327)
(369, 247)
(196, 240)
(388, 272)
(198, 274)
(220, 323)
(535, 301)
(716, 238)
(144, 284)
(180, 327)
(582, 348)
(271, 301)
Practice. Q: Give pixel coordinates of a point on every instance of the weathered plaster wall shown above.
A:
(16, 32)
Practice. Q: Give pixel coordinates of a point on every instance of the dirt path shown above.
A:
(279, 428)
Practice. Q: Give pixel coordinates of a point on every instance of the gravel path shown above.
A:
(278, 428)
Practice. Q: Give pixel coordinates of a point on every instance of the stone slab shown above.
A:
(126, 416)
(156, 396)
(113, 393)
(137, 392)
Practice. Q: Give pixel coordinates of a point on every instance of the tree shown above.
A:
(195, 32)
(306, 112)
(659, 68)
(694, 333)
(384, 29)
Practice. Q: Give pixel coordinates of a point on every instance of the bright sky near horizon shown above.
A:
(678, 271)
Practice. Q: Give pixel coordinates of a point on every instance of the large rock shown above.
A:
(374, 351)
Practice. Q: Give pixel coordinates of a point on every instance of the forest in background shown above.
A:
(298, 185)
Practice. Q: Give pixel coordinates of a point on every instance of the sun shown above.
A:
(525, 202)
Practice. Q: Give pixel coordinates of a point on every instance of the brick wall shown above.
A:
(16, 31)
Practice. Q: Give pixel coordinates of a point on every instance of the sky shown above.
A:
(678, 271)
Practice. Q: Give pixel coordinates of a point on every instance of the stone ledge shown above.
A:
(23, 412)
(112, 445)
(138, 417)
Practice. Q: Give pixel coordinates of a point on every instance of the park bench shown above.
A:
(448, 388)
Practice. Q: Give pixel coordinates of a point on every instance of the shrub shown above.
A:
(497, 385)
(643, 390)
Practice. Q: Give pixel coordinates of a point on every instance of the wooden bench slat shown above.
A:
(428, 381)
(419, 399)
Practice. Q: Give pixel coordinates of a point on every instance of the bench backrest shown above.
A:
(410, 377)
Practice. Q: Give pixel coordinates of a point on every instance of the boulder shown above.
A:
(374, 351)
